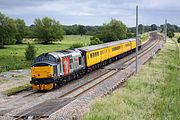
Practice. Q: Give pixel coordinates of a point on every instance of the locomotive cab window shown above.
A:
(45, 58)
(71, 60)
(80, 61)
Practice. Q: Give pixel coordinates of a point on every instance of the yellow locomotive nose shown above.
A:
(42, 72)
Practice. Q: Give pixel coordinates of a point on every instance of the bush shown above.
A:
(95, 41)
(76, 45)
(178, 40)
(30, 52)
(170, 34)
(10, 42)
(130, 35)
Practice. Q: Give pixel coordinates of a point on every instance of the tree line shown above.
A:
(47, 30)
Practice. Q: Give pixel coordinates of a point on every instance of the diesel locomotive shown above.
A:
(54, 68)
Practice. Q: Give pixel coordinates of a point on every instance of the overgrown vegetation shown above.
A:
(170, 34)
(16, 89)
(95, 41)
(76, 45)
(144, 37)
(30, 53)
(3, 81)
(178, 40)
(152, 94)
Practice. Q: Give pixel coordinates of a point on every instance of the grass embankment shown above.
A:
(17, 89)
(177, 35)
(12, 56)
(144, 37)
(152, 94)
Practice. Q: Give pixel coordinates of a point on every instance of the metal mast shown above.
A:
(137, 41)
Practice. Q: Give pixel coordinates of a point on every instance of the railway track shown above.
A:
(73, 94)
(108, 74)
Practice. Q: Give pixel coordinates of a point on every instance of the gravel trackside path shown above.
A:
(14, 78)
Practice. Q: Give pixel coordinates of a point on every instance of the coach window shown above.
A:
(101, 52)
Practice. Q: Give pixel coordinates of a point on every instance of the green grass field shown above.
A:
(177, 35)
(144, 37)
(153, 94)
(12, 56)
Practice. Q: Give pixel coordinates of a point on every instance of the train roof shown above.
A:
(100, 46)
(62, 53)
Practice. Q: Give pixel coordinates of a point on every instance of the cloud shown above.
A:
(93, 12)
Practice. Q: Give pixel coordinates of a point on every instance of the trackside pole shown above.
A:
(137, 41)
(165, 30)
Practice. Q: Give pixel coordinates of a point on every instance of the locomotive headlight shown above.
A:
(50, 75)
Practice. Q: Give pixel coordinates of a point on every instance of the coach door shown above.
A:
(66, 65)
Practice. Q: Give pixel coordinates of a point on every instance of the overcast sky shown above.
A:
(94, 12)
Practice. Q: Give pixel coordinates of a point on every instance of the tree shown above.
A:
(81, 30)
(71, 30)
(170, 34)
(20, 30)
(153, 27)
(141, 28)
(48, 30)
(95, 41)
(115, 30)
(76, 45)
(130, 35)
(92, 30)
(30, 53)
(7, 30)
